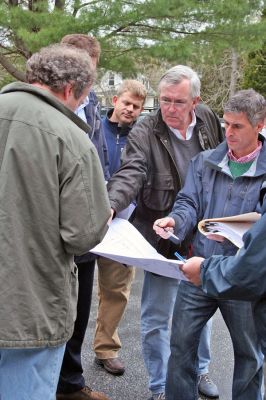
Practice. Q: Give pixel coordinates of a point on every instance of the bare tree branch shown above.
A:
(234, 65)
(11, 69)
(124, 29)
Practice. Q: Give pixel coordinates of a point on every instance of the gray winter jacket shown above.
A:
(53, 204)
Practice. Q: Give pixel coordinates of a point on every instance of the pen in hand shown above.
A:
(172, 237)
(180, 257)
(175, 239)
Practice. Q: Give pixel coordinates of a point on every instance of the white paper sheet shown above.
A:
(124, 243)
(126, 213)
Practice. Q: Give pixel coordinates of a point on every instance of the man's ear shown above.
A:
(260, 126)
(114, 100)
(67, 91)
(196, 101)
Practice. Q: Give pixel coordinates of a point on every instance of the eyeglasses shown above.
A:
(176, 103)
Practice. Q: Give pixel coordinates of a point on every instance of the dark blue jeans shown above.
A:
(71, 378)
(192, 310)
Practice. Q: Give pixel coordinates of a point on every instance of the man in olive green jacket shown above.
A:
(53, 204)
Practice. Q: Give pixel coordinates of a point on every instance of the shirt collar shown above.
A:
(83, 105)
(249, 157)
(190, 128)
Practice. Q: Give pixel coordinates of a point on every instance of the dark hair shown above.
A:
(84, 42)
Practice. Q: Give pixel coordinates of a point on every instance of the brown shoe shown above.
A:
(112, 365)
(84, 394)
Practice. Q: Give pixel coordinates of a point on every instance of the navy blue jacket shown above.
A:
(116, 137)
(93, 116)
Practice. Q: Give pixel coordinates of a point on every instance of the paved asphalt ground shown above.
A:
(133, 385)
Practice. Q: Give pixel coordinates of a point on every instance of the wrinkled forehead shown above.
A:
(175, 90)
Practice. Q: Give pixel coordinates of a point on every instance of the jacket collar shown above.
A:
(115, 127)
(48, 98)
(217, 158)
(161, 129)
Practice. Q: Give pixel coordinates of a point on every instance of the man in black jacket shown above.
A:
(154, 165)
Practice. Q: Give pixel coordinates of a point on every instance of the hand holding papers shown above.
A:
(123, 243)
(232, 228)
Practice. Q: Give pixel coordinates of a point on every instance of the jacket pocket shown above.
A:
(159, 192)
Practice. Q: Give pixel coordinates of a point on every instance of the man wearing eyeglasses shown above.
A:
(154, 165)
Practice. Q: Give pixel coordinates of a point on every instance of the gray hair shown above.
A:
(57, 65)
(177, 74)
(248, 102)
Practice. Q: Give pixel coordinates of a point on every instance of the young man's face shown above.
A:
(241, 136)
(127, 108)
(177, 104)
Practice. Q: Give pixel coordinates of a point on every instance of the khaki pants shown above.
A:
(114, 283)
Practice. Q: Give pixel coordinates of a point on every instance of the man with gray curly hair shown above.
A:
(65, 72)
(48, 170)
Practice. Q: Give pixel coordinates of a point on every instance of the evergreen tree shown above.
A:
(255, 71)
(135, 34)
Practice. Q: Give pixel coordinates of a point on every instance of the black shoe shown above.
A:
(112, 365)
(207, 387)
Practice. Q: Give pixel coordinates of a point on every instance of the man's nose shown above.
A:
(130, 107)
(172, 107)
(228, 131)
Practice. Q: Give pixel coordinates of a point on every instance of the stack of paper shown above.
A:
(232, 228)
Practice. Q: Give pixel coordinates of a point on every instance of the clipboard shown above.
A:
(232, 228)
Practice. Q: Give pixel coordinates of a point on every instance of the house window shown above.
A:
(111, 81)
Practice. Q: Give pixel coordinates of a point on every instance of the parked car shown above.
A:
(104, 111)
(144, 113)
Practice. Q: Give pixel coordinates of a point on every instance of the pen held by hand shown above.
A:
(180, 258)
(172, 237)
(175, 239)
